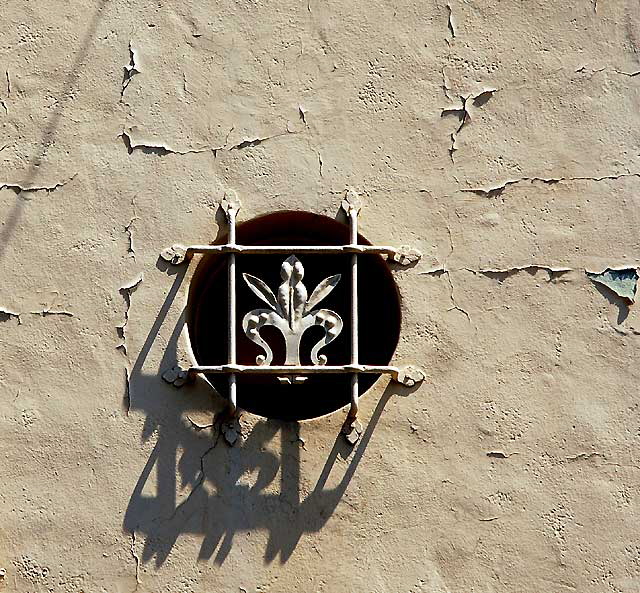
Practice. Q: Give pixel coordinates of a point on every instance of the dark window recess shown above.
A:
(319, 394)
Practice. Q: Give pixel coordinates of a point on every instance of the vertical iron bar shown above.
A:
(231, 285)
(353, 219)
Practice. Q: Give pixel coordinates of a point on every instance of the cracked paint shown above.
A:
(622, 282)
(136, 558)
(133, 143)
(126, 291)
(53, 312)
(497, 190)
(501, 274)
(128, 229)
(6, 314)
(303, 114)
(19, 188)
(451, 23)
(464, 111)
(131, 69)
(126, 398)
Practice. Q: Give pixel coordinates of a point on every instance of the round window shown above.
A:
(318, 394)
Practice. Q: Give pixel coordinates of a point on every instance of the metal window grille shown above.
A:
(282, 314)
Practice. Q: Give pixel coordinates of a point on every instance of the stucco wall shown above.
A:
(499, 138)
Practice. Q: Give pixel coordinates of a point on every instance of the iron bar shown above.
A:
(294, 369)
(353, 224)
(231, 277)
(289, 249)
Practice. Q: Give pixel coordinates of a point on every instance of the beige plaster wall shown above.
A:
(490, 135)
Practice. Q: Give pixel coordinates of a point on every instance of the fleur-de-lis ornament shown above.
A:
(291, 312)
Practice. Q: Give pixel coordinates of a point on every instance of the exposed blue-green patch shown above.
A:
(622, 282)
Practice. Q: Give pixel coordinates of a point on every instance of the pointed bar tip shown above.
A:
(352, 202)
(230, 202)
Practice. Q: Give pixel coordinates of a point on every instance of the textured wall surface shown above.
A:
(499, 138)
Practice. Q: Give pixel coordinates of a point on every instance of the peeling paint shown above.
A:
(501, 274)
(149, 146)
(445, 85)
(434, 271)
(126, 291)
(463, 112)
(630, 74)
(20, 188)
(451, 23)
(198, 427)
(128, 229)
(498, 454)
(131, 69)
(6, 314)
(494, 191)
(126, 398)
(3, 102)
(50, 312)
(136, 558)
(622, 282)
(585, 456)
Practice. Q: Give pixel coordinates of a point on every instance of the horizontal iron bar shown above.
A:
(292, 370)
(380, 249)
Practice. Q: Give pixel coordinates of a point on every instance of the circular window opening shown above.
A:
(320, 394)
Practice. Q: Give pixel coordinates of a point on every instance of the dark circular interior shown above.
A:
(264, 395)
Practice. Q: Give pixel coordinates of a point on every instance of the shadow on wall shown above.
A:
(68, 90)
(224, 496)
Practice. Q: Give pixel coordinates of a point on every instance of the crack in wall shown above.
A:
(443, 271)
(501, 274)
(163, 149)
(50, 312)
(126, 291)
(463, 112)
(130, 70)
(585, 456)
(619, 285)
(451, 23)
(136, 558)
(590, 73)
(302, 112)
(7, 314)
(445, 85)
(497, 190)
(630, 74)
(128, 229)
(126, 398)
(19, 188)
(199, 480)
(455, 306)
(3, 102)
(624, 332)
(198, 427)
